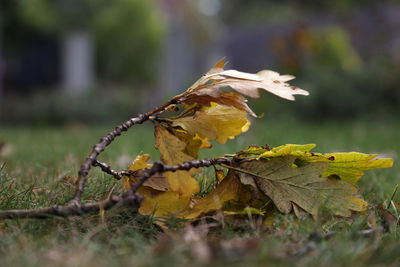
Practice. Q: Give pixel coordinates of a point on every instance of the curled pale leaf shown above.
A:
(207, 88)
(245, 83)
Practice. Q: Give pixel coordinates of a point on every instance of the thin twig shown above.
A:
(159, 167)
(104, 142)
(107, 169)
(184, 166)
(61, 211)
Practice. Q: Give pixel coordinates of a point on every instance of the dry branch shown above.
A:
(107, 169)
(129, 198)
(105, 141)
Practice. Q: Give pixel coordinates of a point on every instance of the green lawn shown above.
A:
(41, 165)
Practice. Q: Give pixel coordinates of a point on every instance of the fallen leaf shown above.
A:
(163, 204)
(217, 122)
(303, 186)
(172, 204)
(225, 98)
(193, 143)
(244, 83)
(172, 152)
(157, 181)
(349, 166)
(224, 192)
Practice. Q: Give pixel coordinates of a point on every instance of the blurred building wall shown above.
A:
(77, 61)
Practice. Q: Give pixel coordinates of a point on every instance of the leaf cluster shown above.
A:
(290, 176)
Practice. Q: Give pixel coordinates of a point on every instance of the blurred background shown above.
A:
(101, 61)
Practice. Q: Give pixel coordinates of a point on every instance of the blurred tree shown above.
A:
(129, 35)
(123, 35)
(346, 52)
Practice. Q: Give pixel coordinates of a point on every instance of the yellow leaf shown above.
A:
(193, 143)
(156, 181)
(217, 122)
(289, 149)
(253, 150)
(140, 162)
(172, 152)
(163, 204)
(295, 147)
(245, 211)
(350, 166)
(171, 204)
(281, 152)
(224, 192)
(219, 175)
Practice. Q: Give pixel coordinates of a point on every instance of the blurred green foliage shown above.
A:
(343, 83)
(59, 108)
(127, 33)
(344, 52)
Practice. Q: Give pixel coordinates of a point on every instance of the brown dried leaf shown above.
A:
(389, 221)
(225, 98)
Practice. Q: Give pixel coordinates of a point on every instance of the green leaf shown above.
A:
(349, 166)
(303, 186)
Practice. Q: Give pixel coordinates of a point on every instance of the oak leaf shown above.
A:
(349, 166)
(245, 83)
(216, 122)
(303, 186)
(207, 88)
(157, 181)
(225, 98)
(172, 151)
(171, 204)
(193, 143)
